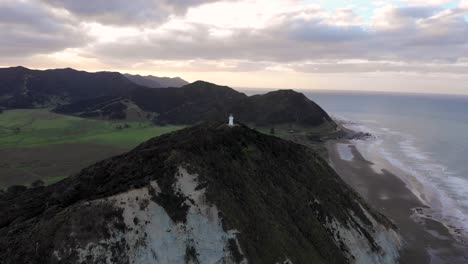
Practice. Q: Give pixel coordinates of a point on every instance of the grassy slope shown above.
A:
(38, 144)
(32, 128)
(312, 137)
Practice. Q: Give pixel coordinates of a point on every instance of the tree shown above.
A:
(16, 189)
(37, 184)
(272, 130)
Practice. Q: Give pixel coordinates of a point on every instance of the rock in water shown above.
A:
(205, 194)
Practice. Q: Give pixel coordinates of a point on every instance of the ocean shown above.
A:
(423, 137)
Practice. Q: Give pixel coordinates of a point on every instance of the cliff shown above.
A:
(205, 194)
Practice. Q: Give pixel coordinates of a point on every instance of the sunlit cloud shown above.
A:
(209, 39)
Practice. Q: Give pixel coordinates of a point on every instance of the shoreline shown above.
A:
(426, 239)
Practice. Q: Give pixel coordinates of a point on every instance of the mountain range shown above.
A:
(205, 194)
(110, 95)
(24, 88)
(156, 82)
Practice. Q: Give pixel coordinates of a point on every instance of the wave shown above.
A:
(433, 183)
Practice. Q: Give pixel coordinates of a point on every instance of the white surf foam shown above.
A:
(433, 183)
(345, 152)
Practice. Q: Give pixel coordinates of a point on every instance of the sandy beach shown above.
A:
(425, 239)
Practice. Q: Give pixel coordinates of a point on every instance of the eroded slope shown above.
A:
(206, 194)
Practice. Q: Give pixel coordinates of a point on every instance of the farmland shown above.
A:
(37, 144)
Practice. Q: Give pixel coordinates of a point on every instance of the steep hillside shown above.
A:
(156, 82)
(108, 107)
(285, 106)
(24, 88)
(110, 95)
(198, 96)
(203, 101)
(195, 102)
(206, 194)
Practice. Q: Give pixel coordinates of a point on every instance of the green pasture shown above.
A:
(39, 127)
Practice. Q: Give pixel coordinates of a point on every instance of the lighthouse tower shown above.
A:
(231, 120)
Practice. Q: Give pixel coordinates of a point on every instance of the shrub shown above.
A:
(37, 184)
(16, 189)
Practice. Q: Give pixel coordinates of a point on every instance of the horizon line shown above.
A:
(320, 90)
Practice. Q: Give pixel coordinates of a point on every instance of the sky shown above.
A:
(394, 45)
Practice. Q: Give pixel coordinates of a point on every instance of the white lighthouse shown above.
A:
(231, 120)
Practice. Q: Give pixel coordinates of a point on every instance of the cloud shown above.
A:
(408, 34)
(28, 28)
(463, 5)
(426, 2)
(239, 36)
(376, 66)
(308, 31)
(396, 18)
(124, 12)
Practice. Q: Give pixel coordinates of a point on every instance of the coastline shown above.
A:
(426, 239)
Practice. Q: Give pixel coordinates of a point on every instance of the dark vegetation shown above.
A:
(88, 105)
(37, 184)
(108, 94)
(202, 101)
(24, 88)
(276, 193)
(102, 107)
(156, 82)
(37, 144)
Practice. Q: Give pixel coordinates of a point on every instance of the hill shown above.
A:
(205, 194)
(36, 144)
(111, 95)
(156, 82)
(203, 101)
(24, 88)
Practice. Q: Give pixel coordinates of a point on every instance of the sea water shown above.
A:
(424, 136)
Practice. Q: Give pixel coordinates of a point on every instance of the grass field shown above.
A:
(37, 144)
(32, 128)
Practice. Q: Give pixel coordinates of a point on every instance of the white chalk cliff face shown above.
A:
(150, 236)
(360, 250)
(206, 194)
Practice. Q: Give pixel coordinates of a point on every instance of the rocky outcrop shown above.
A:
(206, 194)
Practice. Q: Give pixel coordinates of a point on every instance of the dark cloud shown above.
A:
(125, 12)
(28, 28)
(415, 37)
(414, 12)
